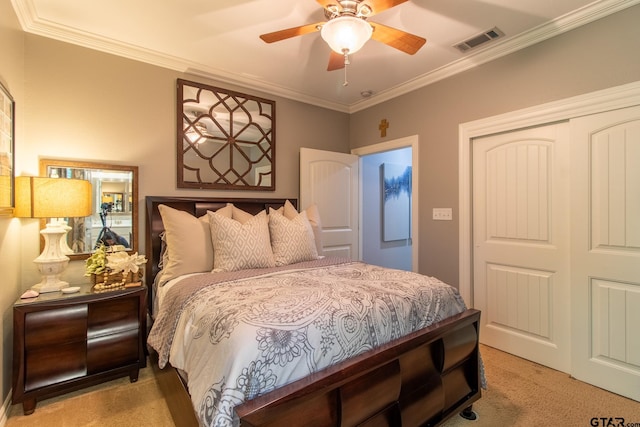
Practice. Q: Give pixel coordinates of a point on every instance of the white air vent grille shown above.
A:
(479, 39)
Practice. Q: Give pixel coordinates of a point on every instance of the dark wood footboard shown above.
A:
(419, 380)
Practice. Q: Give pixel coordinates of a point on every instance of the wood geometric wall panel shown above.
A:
(615, 188)
(519, 299)
(518, 192)
(614, 321)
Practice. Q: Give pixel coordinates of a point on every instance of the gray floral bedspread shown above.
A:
(240, 338)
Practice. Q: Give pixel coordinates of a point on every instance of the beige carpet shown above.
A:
(520, 393)
(117, 403)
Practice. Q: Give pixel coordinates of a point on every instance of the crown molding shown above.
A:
(568, 22)
(32, 23)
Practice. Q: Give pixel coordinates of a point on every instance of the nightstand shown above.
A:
(63, 342)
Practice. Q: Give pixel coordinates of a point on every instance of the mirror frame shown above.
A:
(46, 163)
(231, 119)
(7, 151)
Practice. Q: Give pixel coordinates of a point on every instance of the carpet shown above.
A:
(523, 393)
(520, 393)
(114, 403)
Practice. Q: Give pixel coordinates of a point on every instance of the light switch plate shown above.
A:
(443, 214)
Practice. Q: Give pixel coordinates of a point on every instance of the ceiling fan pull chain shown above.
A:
(346, 62)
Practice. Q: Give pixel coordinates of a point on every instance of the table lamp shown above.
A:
(39, 197)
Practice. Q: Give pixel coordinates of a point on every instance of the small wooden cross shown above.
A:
(384, 124)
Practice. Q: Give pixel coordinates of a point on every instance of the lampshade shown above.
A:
(39, 197)
(346, 34)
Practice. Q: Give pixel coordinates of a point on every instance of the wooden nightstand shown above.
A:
(63, 342)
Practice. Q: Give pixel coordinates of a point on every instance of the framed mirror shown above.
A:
(7, 145)
(226, 139)
(114, 220)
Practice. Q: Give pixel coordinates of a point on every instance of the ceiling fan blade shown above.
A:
(406, 42)
(336, 61)
(276, 36)
(378, 6)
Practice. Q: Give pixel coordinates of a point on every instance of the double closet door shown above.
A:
(556, 235)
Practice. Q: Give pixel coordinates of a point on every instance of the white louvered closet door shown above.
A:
(521, 242)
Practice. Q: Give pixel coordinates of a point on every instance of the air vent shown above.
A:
(479, 40)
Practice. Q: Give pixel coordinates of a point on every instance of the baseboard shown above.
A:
(6, 407)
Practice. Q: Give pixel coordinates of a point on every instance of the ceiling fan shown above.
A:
(347, 29)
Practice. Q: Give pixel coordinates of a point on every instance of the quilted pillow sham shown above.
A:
(291, 239)
(239, 246)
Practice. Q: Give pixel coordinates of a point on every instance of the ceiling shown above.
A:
(219, 39)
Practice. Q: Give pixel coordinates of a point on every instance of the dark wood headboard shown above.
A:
(196, 206)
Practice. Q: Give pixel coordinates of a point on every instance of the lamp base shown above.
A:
(50, 285)
(52, 262)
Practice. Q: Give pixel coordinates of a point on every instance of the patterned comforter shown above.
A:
(240, 335)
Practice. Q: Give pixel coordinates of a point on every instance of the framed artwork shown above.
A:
(7, 144)
(396, 201)
(226, 139)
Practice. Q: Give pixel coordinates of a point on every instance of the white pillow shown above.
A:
(240, 246)
(291, 239)
(313, 215)
(188, 240)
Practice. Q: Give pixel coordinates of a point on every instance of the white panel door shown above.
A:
(521, 242)
(605, 259)
(330, 180)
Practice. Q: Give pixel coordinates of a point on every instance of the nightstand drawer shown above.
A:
(69, 324)
(111, 351)
(45, 366)
(114, 316)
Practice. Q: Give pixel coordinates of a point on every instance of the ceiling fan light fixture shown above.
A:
(365, 10)
(346, 34)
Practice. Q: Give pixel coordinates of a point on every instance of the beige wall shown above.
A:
(12, 78)
(81, 104)
(84, 104)
(597, 56)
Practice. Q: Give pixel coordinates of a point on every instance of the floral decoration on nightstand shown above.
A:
(118, 264)
(97, 262)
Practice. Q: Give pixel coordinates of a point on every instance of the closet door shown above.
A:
(605, 258)
(521, 242)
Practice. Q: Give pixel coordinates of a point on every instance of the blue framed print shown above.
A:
(396, 201)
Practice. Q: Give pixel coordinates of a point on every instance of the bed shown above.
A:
(421, 377)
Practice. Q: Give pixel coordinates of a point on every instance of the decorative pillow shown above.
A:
(291, 239)
(240, 246)
(188, 244)
(239, 215)
(226, 211)
(313, 215)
